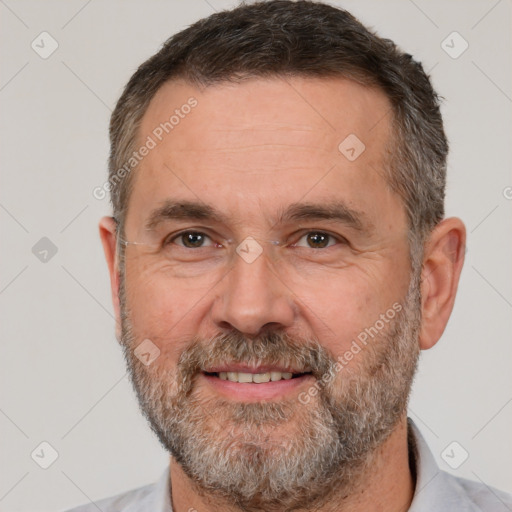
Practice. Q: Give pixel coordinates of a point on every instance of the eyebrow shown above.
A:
(183, 210)
(329, 210)
(334, 210)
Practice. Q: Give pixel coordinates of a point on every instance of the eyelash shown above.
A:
(172, 238)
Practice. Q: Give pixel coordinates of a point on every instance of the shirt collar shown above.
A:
(435, 489)
(162, 493)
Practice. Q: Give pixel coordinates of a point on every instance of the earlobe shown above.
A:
(107, 228)
(442, 264)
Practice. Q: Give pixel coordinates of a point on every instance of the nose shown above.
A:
(253, 298)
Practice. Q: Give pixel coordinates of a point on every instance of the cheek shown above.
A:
(162, 310)
(153, 290)
(339, 309)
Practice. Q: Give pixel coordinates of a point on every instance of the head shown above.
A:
(284, 213)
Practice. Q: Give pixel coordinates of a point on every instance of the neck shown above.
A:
(386, 484)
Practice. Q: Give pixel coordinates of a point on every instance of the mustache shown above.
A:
(271, 348)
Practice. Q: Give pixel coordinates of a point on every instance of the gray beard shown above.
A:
(279, 455)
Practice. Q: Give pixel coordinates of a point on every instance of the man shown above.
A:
(278, 257)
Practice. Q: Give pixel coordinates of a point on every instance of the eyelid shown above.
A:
(338, 238)
(173, 236)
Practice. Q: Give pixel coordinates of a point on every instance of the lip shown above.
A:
(253, 392)
(244, 368)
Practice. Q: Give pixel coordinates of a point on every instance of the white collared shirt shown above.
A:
(436, 490)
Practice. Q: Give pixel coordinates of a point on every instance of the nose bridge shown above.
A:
(252, 295)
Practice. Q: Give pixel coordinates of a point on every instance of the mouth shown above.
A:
(246, 383)
(255, 378)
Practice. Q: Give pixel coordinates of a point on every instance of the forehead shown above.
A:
(263, 143)
(324, 109)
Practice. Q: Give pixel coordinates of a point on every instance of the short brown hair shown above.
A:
(308, 39)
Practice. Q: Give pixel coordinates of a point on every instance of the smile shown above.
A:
(257, 378)
(242, 382)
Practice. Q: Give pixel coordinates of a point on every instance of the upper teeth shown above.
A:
(254, 377)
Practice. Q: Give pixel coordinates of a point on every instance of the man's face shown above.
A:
(306, 291)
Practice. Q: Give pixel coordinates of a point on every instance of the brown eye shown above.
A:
(190, 240)
(318, 240)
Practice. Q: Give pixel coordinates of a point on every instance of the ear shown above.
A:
(107, 227)
(442, 264)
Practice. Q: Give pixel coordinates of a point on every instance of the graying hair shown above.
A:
(283, 38)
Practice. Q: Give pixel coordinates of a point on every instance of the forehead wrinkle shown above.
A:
(243, 147)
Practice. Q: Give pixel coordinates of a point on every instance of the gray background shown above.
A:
(62, 375)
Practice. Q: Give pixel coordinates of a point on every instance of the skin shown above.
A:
(250, 150)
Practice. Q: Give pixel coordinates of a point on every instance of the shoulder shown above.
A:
(438, 490)
(483, 496)
(134, 500)
(448, 492)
